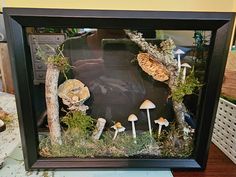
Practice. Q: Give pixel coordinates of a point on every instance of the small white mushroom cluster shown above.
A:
(184, 65)
(147, 104)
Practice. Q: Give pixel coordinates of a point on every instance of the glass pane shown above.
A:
(121, 93)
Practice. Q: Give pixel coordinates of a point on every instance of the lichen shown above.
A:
(188, 87)
(56, 59)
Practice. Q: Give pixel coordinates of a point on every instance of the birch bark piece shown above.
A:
(99, 128)
(51, 84)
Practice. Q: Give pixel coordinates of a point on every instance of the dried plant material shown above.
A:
(74, 93)
(152, 67)
(5, 117)
(3, 113)
(175, 143)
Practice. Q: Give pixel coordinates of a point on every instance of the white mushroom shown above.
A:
(185, 66)
(178, 53)
(118, 128)
(132, 118)
(147, 104)
(161, 121)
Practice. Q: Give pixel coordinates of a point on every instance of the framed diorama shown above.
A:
(117, 88)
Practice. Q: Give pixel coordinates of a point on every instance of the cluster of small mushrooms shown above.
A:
(184, 65)
(146, 105)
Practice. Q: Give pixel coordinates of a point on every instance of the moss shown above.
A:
(174, 143)
(190, 85)
(78, 121)
(78, 145)
(57, 59)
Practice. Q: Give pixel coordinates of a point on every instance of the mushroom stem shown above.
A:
(149, 122)
(184, 75)
(159, 130)
(115, 135)
(134, 132)
(179, 64)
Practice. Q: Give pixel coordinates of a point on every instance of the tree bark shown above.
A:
(51, 84)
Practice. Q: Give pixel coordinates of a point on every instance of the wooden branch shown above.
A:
(165, 56)
(51, 84)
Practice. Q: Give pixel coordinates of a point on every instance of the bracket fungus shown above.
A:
(132, 118)
(161, 121)
(118, 128)
(185, 66)
(74, 93)
(152, 67)
(147, 104)
(178, 53)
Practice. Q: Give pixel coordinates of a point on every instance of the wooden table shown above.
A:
(219, 165)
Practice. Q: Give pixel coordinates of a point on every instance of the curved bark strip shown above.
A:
(51, 84)
(167, 59)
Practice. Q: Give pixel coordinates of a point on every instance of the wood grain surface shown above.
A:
(218, 165)
(229, 83)
(5, 67)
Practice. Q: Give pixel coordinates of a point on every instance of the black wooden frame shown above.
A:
(221, 25)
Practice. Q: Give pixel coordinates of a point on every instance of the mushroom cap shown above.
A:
(121, 129)
(179, 51)
(162, 121)
(132, 118)
(147, 104)
(186, 65)
(118, 127)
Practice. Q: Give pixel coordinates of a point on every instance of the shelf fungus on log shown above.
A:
(74, 93)
(152, 67)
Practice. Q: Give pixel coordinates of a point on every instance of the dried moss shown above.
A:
(5, 117)
(188, 87)
(174, 143)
